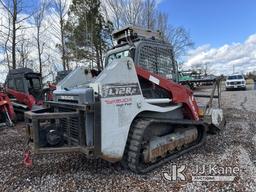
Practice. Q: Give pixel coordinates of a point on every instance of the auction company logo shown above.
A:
(176, 173)
(202, 173)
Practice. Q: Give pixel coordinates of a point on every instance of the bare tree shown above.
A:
(162, 24)
(13, 9)
(23, 49)
(113, 10)
(149, 14)
(145, 14)
(5, 36)
(179, 39)
(132, 10)
(123, 12)
(38, 19)
(61, 10)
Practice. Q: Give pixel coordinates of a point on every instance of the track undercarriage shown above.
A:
(145, 152)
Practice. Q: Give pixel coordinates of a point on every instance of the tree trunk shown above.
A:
(6, 48)
(39, 51)
(14, 18)
(97, 58)
(100, 55)
(63, 44)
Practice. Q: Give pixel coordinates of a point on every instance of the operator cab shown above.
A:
(149, 51)
(26, 81)
(146, 48)
(34, 84)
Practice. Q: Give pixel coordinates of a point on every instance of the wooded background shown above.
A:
(57, 35)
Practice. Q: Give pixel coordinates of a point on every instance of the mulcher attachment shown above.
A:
(213, 115)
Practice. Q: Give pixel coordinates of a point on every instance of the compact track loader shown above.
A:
(134, 111)
(25, 89)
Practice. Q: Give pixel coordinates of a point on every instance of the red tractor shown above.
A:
(25, 89)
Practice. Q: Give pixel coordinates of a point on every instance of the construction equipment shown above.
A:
(185, 79)
(25, 89)
(193, 79)
(61, 75)
(7, 114)
(131, 112)
(52, 85)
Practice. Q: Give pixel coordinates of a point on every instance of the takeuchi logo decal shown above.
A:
(118, 101)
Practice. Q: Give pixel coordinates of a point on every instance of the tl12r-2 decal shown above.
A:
(118, 90)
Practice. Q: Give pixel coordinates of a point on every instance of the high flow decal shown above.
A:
(118, 90)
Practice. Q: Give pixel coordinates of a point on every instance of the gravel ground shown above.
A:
(234, 146)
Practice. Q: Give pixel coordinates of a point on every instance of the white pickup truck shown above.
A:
(235, 81)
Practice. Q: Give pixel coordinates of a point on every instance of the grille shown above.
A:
(235, 83)
(73, 123)
(156, 59)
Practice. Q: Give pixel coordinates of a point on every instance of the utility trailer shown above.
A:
(131, 112)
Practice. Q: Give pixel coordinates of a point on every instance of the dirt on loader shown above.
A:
(229, 154)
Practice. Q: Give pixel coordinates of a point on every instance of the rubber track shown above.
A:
(135, 140)
(133, 148)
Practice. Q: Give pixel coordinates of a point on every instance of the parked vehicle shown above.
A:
(130, 112)
(24, 88)
(186, 79)
(235, 81)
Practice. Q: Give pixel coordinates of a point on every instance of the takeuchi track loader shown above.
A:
(134, 111)
(25, 89)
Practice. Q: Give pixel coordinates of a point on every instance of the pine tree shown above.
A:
(87, 32)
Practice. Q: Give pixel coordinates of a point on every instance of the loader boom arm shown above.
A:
(178, 93)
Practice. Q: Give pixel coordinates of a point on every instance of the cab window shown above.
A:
(11, 84)
(34, 83)
(19, 84)
(118, 55)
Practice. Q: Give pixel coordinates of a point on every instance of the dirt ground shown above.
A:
(234, 146)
